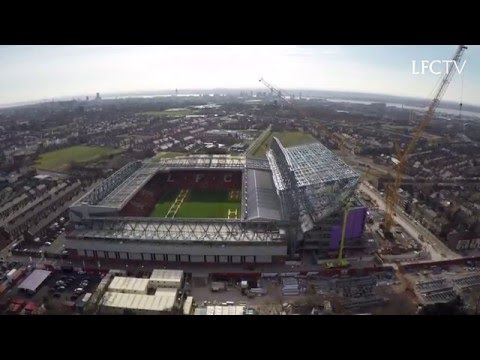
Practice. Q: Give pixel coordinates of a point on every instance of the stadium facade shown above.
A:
(290, 202)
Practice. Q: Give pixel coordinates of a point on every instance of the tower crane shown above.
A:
(391, 195)
(323, 129)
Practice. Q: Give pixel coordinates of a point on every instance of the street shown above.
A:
(438, 250)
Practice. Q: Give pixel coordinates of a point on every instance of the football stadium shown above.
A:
(219, 208)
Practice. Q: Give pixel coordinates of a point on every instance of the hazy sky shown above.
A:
(44, 72)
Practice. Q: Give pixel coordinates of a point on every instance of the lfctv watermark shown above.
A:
(436, 67)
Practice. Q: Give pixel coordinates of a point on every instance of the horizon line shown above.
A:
(138, 92)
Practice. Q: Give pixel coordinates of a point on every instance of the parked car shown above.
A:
(61, 288)
(48, 243)
(84, 283)
(78, 291)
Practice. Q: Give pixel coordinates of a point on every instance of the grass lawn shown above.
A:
(199, 204)
(167, 155)
(162, 207)
(59, 160)
(288, 138)
(171, 112)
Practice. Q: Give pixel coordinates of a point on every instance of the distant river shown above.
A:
(440, 110)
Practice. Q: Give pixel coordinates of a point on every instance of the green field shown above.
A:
(199, 204)
(171, 112)
(60, 160)
(288, 138)
(167, 155)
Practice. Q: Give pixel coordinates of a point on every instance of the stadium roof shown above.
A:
(148, 229)
(129, 187)
(315, 164)
(261, 197)
(312, 181)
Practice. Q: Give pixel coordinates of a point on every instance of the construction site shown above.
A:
(272, 227)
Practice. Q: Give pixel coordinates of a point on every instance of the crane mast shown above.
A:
(393, 188)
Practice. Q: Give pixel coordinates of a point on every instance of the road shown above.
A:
(436, 247)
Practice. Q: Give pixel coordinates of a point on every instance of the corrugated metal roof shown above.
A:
(35, 279)
(166, 291)
(187, 305)
(120, 283)
(164, 302)
(225, 310)
(167, 275)
(262, 198)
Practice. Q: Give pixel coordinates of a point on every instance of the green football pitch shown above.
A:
(200, 204)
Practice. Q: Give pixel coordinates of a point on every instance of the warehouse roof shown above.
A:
(166, 292)
(35, 279)
(225, 310)
(120, 283)
(167, 275)
(187, 305)
(139, 301)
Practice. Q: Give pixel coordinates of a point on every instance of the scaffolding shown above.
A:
(311, 181)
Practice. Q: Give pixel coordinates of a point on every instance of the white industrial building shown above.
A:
(128, 285)
(188, 305)
(135, 294)
(166, 292)
(161, 278)
(221, 310)
(140, 303)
